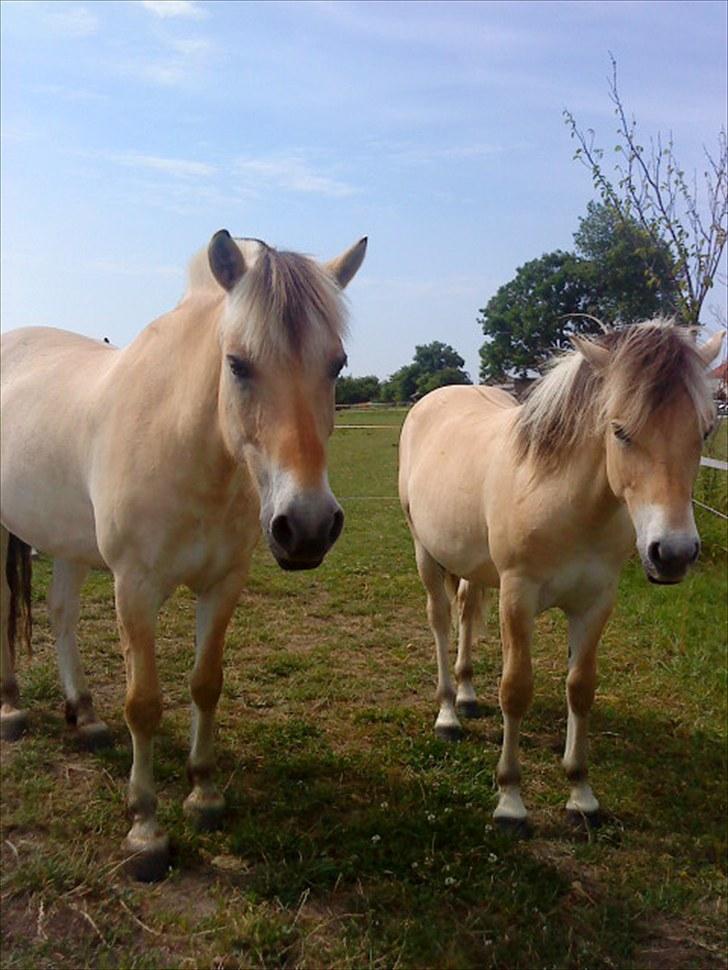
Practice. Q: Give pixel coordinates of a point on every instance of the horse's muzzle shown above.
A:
(668, 559)
(297, 542)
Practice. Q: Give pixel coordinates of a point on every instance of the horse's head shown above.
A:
(281, 336)
(656, 411)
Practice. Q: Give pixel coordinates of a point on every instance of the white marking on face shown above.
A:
(654, 528)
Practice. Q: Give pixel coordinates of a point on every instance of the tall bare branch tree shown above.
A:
(652, 188)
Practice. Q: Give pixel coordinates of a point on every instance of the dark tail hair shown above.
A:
(19, 571)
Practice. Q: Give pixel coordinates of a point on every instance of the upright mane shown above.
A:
(285, 303)
(649, 363)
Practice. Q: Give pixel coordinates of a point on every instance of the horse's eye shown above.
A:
(337, 366)
(621, 434)
(242, 369)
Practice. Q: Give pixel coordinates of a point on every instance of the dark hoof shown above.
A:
(13, 725)
(449, 732)
(585, 820)
(93, 736)
(147, 861)
(469, 709)
(204, 814)
(514, 828)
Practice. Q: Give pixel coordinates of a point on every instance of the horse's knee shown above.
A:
(580, 688)
(205, 687)
(143, 711)
(516, 693)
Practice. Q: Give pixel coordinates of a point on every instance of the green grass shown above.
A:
(354, 837)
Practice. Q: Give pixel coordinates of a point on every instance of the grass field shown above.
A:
(354, 838)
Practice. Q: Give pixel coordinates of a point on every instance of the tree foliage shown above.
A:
(618, 274)
(357, 390)
(434, 365)
(652, 189)
(532, 316)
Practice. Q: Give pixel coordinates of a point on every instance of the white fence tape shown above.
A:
(714, 463)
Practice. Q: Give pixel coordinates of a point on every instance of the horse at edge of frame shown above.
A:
(544, 501)
(163, 462)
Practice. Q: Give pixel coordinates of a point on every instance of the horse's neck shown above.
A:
(178, 359)
(587, 483)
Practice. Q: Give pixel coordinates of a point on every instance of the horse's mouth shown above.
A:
(660, 581)
(295, 565)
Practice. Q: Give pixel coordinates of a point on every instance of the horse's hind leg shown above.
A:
(205, 804)
(447, 725)
(470, 600)
(63, 609)
(13, 721)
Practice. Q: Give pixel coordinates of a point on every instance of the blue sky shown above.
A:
(131, 131)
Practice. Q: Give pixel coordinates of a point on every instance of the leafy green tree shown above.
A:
(357, 390)
(618, 274)
(533, 315)
(441, 378)
(434, 365)
(634, 275)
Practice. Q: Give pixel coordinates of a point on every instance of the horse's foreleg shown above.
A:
(146, 842)
(470, 598)
(447, 725)
(13, 721)
(585, 630)
(205, 804)
(517, 610)
(63, 608)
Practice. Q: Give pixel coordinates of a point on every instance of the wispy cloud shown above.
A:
(178, 167)
(293, 174)
(72, 21)
(187, 9)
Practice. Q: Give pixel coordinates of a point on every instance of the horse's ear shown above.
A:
(597, 356)
(344, 267)
(226, 260)
(710, 351)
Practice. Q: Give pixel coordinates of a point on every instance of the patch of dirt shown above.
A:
(672, 944)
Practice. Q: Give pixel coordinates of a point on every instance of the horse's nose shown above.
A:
(301, 542)
(672, 555)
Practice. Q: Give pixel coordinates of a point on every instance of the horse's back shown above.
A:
(50, 381)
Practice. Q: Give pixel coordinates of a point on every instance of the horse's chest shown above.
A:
(577, 582)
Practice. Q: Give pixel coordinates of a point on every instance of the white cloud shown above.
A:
(73, 21)
(293, 174)
(178, 167)
(187, 9)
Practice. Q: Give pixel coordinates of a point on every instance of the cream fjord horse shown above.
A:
(544, 502)
(163, 461)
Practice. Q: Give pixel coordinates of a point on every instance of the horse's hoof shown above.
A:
(94, 735)
(585, 820)
(515, 828)
(449, 732)
(13, 725)
(469, 709)
(147, 861)
(204, 812)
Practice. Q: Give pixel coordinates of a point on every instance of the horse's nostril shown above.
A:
(653, 551)
(696, 551)
(281, 530)
(336, 526)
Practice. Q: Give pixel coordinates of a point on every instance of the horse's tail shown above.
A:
(19, 571)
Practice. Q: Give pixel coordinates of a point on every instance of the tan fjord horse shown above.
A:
(163, 462)
(544, 501)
